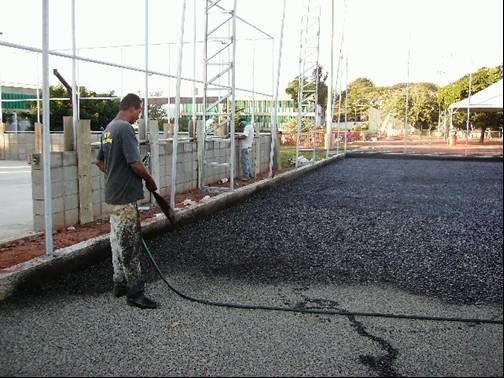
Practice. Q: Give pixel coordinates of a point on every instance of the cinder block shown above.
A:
(70, 173)
(188, 147)
(58, 220)
(96, 196)
(38, 190)
(71, 217)
(57, 206)
(71, 202)
(38, 223)
(69, 158)
(96, 183)
(56, 159)
(70, 187)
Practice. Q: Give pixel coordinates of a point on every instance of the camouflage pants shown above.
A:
(125, 244)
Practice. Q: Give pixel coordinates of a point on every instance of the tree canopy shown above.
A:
(319, 76)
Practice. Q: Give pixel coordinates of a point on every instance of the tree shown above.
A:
(319, 76)
(100, 112)
(459, 90)
(423, 104)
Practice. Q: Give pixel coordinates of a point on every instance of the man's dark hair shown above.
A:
(131, 100)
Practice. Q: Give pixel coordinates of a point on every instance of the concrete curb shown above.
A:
(403, 156)
(91, 251)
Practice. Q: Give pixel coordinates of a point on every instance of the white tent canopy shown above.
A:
(487, 100)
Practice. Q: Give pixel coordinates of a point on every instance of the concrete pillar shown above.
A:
(68, 134)
(38, 138)
(142, 131)
(192, 129)
(257, 151)
(154, 150)
(84, 170)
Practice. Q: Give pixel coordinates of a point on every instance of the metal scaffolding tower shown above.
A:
(219, 83)
(309, 75)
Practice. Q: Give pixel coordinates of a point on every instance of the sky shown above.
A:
(446, 39)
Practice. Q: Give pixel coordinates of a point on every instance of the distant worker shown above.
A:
(247, 139)
(119, 158)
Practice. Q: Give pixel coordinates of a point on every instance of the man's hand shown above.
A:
(101, 165)
(142, 172)
(151, 185)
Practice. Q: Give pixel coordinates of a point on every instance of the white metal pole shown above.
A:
(340, 75)
(253, 87)
(346, 106)
(173, 192)
(233, 105)
(194, 65)
(170, 115)
(468, 125)
(329, 112)
(75, 100)
(317, 91)
(146, 100)
(300, 90)
(117, 65)
(274, 123)
(38, 103)
(46, 131)
(122, 73)
(407, 104)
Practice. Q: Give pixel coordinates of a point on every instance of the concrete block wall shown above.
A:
(64, 170)
(19, 146)
(65, 196)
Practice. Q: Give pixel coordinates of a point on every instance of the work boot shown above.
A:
(120, 290)
(143, 302)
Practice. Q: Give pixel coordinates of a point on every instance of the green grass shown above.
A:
(289, 152)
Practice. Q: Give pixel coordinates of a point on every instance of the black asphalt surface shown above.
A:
(404, 236)
(430, 227)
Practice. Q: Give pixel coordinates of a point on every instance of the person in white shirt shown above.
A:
(247, 139)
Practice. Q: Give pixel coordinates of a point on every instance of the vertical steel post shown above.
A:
(300, 91)
(340, 74)
(194, 117)
(173, 192)
(146, 100)
(329, 111)
(346, 106)
(253, 86)
(468, 125)
(274, 123)
(202, 173)
(46, 131)
(233, 105)
(407, 104)
(75, 95)
(317, 90)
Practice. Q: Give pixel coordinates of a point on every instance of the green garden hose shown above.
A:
(306, 311)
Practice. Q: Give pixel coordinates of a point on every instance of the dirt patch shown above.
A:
(28, 248)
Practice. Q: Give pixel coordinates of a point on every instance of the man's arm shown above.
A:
(100, 160)
(139, 168)
(101, 165)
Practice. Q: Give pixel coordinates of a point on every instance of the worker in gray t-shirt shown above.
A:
(119, 158)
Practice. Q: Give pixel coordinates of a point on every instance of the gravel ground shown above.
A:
(430, 227)
(417, 237)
